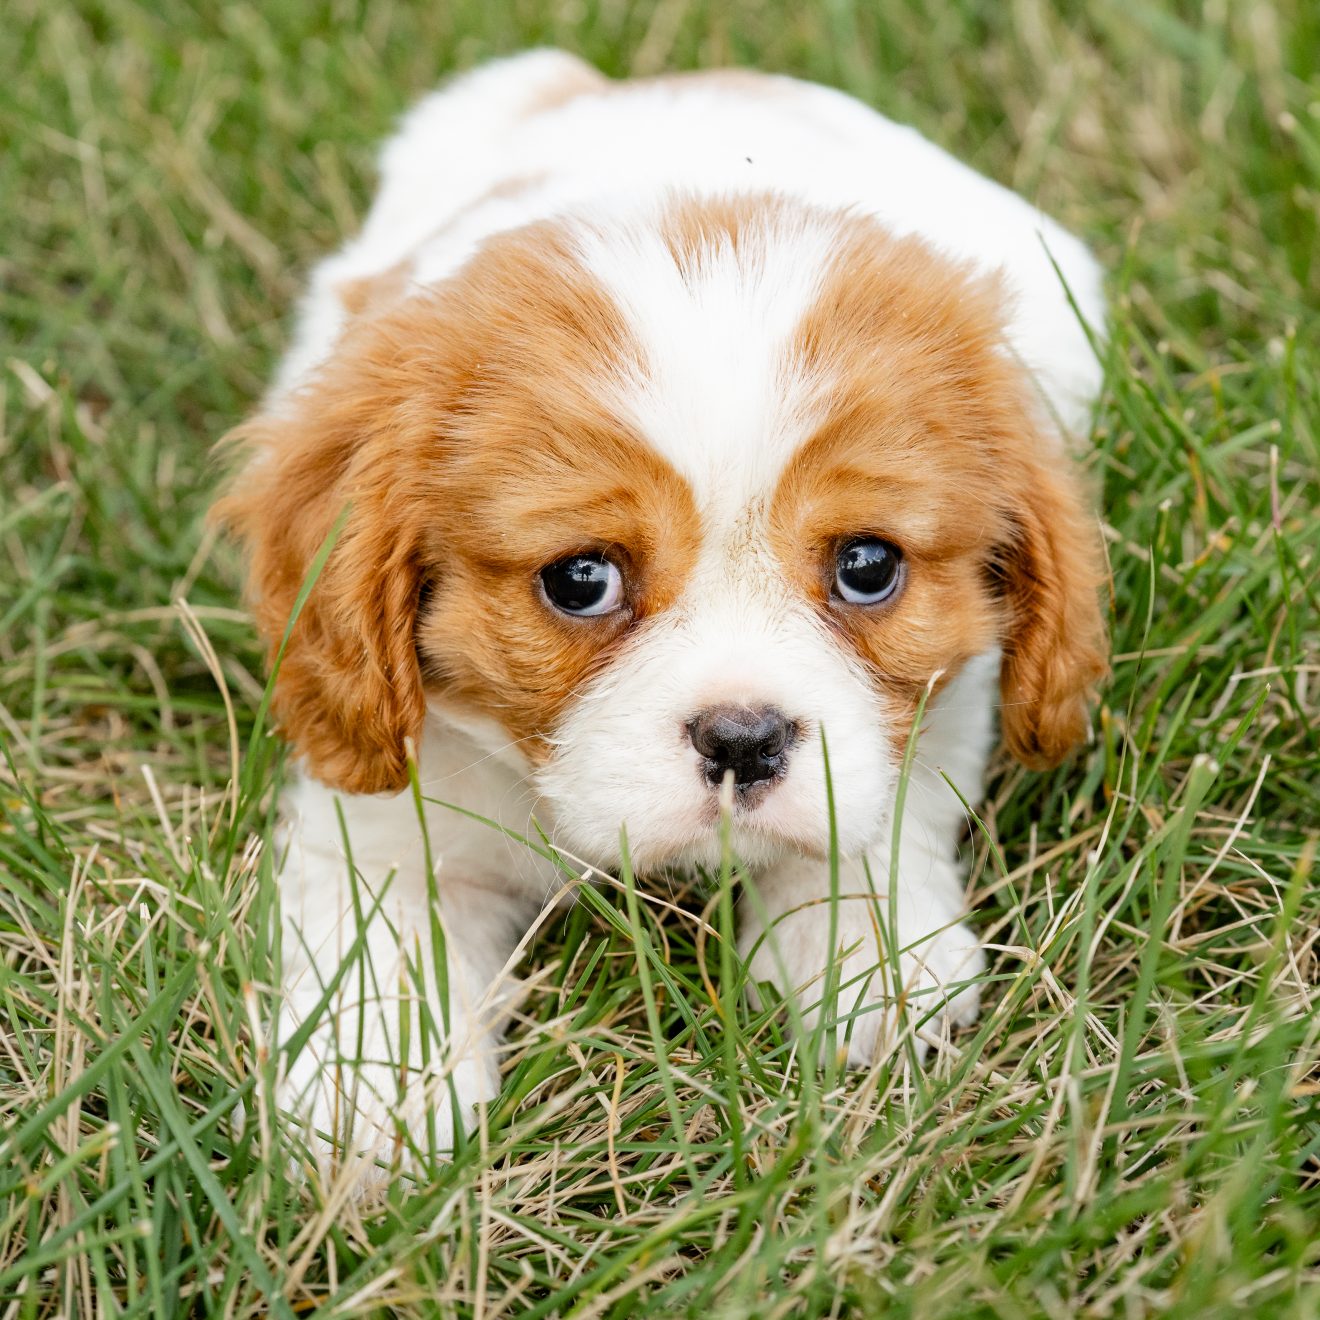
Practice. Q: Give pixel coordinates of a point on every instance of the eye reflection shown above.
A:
(867, 570)
(583, 585)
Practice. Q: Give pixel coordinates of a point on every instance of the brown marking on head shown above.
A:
(465, 428)
(695, 227)
(932, 440)
(368, 295)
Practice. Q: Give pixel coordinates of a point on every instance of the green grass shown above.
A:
(1134, 1128)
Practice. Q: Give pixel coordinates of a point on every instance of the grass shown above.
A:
(1133, 1129)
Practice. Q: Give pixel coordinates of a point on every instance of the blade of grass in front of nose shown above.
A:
(730, 988)
(646, 956)
(891, 968)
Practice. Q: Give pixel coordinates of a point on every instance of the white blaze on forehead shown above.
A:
(717, 389)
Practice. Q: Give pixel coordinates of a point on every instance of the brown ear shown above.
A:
(1050, 571)
(349, 688)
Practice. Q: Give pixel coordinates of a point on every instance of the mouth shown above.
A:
(747, 798)
(761, 828)
(752, 840)
(754, 820)
(742, 801)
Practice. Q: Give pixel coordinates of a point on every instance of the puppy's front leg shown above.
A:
(401, 998)
(785, 936)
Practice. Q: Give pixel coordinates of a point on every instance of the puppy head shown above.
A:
(667, 499)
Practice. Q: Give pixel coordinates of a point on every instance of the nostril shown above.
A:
(701, 733)
(774, 735)
(751, 743)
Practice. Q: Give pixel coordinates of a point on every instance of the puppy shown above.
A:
(669, 437)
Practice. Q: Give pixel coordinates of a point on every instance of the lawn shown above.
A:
(1134, 1127)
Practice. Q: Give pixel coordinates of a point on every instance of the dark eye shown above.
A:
(583, 585)
(866, 570)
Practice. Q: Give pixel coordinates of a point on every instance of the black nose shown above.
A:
(751, 743)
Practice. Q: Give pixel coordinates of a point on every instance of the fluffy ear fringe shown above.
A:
(1055, 647)
(348, 693)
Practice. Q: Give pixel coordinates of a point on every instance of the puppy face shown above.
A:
(667, 500)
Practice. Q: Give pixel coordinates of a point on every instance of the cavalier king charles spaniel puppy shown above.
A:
(669, 437)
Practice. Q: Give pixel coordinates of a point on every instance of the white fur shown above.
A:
(723, 402)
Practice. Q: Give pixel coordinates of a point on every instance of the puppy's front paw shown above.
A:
(934, 992)
(939, 986)
(366, 1118)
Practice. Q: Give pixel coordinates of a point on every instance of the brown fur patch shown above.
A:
(368, 295)
(695, 227)
(462, 427)
(933, 441)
